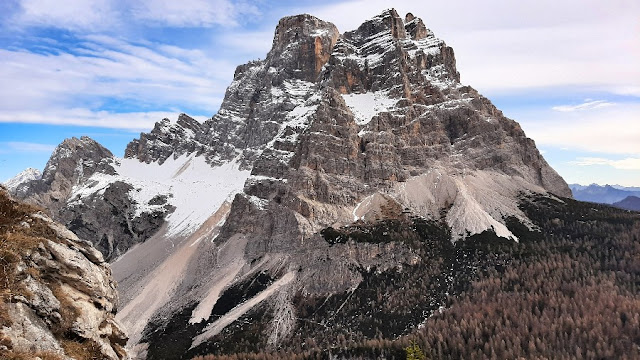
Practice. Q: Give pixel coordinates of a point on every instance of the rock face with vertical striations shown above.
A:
(327, 163)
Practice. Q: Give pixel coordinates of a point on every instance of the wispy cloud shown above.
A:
(608, 129)
(103, 73)
(192, 13)
(588, 104)
(133, 121)
(72, 14)
(18, 146)
(624, 164)
(97, 15)
(249, 42)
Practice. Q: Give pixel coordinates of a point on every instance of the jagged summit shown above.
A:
(73, 161)
(302, 44)
(23, 177)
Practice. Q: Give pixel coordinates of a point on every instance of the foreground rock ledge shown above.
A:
(58, 298)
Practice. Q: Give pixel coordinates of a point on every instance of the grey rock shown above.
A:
(437, 149)
(107, 219)
(67, 282)
(22, 178)
(72, 162)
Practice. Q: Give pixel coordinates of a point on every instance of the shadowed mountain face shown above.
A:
(340, 162)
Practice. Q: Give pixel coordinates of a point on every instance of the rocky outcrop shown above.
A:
(107, 218)
(58, 295)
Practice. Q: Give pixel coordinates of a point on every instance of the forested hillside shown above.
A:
(569, 290)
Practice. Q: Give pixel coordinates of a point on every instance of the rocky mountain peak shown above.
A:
(72, 162)
(415, 27)
(388, 20)
(327, 132)
(168, 139)
(302, 44)
(22, 178)
(75, 157)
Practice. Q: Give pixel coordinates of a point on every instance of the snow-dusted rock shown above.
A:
(25, 176)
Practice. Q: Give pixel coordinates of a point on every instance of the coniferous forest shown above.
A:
(567, 290)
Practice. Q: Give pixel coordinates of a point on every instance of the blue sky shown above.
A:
(566, 70)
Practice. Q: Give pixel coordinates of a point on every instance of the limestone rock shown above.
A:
(335, 130)
(68, 295)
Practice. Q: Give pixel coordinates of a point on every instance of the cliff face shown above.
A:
(58, 298)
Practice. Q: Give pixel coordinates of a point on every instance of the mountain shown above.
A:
(80, 189)
(626, 188)
(344, 172)
(629, 203)
(25, 176)
(57, 295)
(603, 194)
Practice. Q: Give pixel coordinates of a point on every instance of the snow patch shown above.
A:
(196, 189)
(365, 106)
(24, 176)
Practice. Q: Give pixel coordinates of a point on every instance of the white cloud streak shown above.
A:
(191, 13)
(105, 69)
(609, 129)
(133, 121)
(624, 164)
(70, 14)
(28, 147)
(96, 15)
(586, 105)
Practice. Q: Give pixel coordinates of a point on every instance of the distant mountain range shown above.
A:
(603, 194)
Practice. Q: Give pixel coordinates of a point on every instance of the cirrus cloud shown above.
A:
(623, 164)
(588, 104)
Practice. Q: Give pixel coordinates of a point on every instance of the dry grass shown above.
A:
(20, 235)
(16, 240)
(87, 350)
(43, 355)
(68, 312)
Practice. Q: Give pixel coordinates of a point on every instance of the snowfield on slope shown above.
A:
(196, 189)
(365, 106)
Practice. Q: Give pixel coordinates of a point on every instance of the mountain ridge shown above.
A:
(604, 194)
